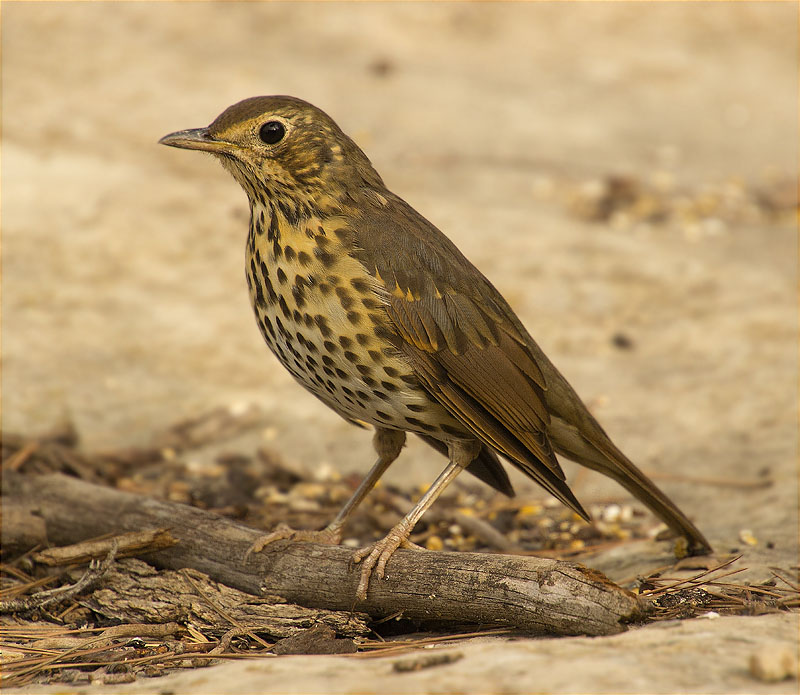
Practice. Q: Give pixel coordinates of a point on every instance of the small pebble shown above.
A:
(434, 543)
(746, 536)
(773, 662)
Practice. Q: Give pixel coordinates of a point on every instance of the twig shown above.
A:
(217, 609)
(128, 544)
(52, 596)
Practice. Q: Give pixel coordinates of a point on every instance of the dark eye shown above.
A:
(272, 132)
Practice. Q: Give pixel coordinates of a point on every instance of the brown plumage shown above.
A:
(378, 314)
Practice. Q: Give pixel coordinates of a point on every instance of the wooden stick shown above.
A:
(536, 595)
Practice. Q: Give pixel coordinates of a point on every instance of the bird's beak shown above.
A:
(197, 139)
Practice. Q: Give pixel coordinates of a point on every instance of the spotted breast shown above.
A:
(324, 318)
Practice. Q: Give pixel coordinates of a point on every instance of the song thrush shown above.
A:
(379, 315)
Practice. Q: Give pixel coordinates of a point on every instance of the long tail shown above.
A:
(601, 455)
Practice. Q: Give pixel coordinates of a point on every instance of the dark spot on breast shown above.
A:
(297, 316)
(383, 416)
(327, 259)
(268, 325)
(311, 362)
(371, 303)
(327, 361)
(347, 391)
(308, 319)
(303, 259)
(391, 371)
(284, 308)
(389, 386)
(369, 381)
(328, 371)
(343, 234)
(272, 297)
(344, 297)
(409, 379)
(362, 395)
(299, 299)
(414, 408)
(380, 394)
(449, 429)
(354, 317)
(281, 276)
(274, 233)
(309, 232)
(289, 252)
(325, 288)
(422, 425)
(364, 369)
(264, 331)
(259, 292)
(330, 347)
(322, 324)
(351, 356)
(342, 374)
(276, 249)
(375, 355)
(360, 285)
(345, 342)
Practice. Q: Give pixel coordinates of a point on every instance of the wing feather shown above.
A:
(463, 342)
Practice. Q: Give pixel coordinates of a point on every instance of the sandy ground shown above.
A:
(124, 303)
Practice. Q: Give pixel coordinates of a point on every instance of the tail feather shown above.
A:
(601, 455)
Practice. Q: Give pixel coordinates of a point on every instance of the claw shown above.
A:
(378, 555)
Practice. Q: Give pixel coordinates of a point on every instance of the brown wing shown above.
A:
(462, 340)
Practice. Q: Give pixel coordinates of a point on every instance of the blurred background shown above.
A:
(625, 174)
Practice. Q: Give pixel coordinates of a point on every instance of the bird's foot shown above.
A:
(327, 536)
(376, 556)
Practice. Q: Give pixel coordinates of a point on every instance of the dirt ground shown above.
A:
(624, 173)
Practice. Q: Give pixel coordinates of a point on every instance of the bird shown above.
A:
(378, 314)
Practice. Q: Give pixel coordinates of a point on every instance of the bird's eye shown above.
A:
(272, 132)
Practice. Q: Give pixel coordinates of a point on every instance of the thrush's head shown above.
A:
(279, 146)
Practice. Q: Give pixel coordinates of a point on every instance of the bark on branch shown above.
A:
(533, 594)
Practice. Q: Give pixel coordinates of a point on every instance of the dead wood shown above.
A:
(134, 592)
(533, 594)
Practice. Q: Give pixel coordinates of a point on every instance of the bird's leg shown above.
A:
(462, 453)
(388, 444)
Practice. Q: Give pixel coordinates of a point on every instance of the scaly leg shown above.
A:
(388, 444)
(462, 453)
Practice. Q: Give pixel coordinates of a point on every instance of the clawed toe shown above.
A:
(376, 556)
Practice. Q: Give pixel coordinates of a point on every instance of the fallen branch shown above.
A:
(532, 594)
